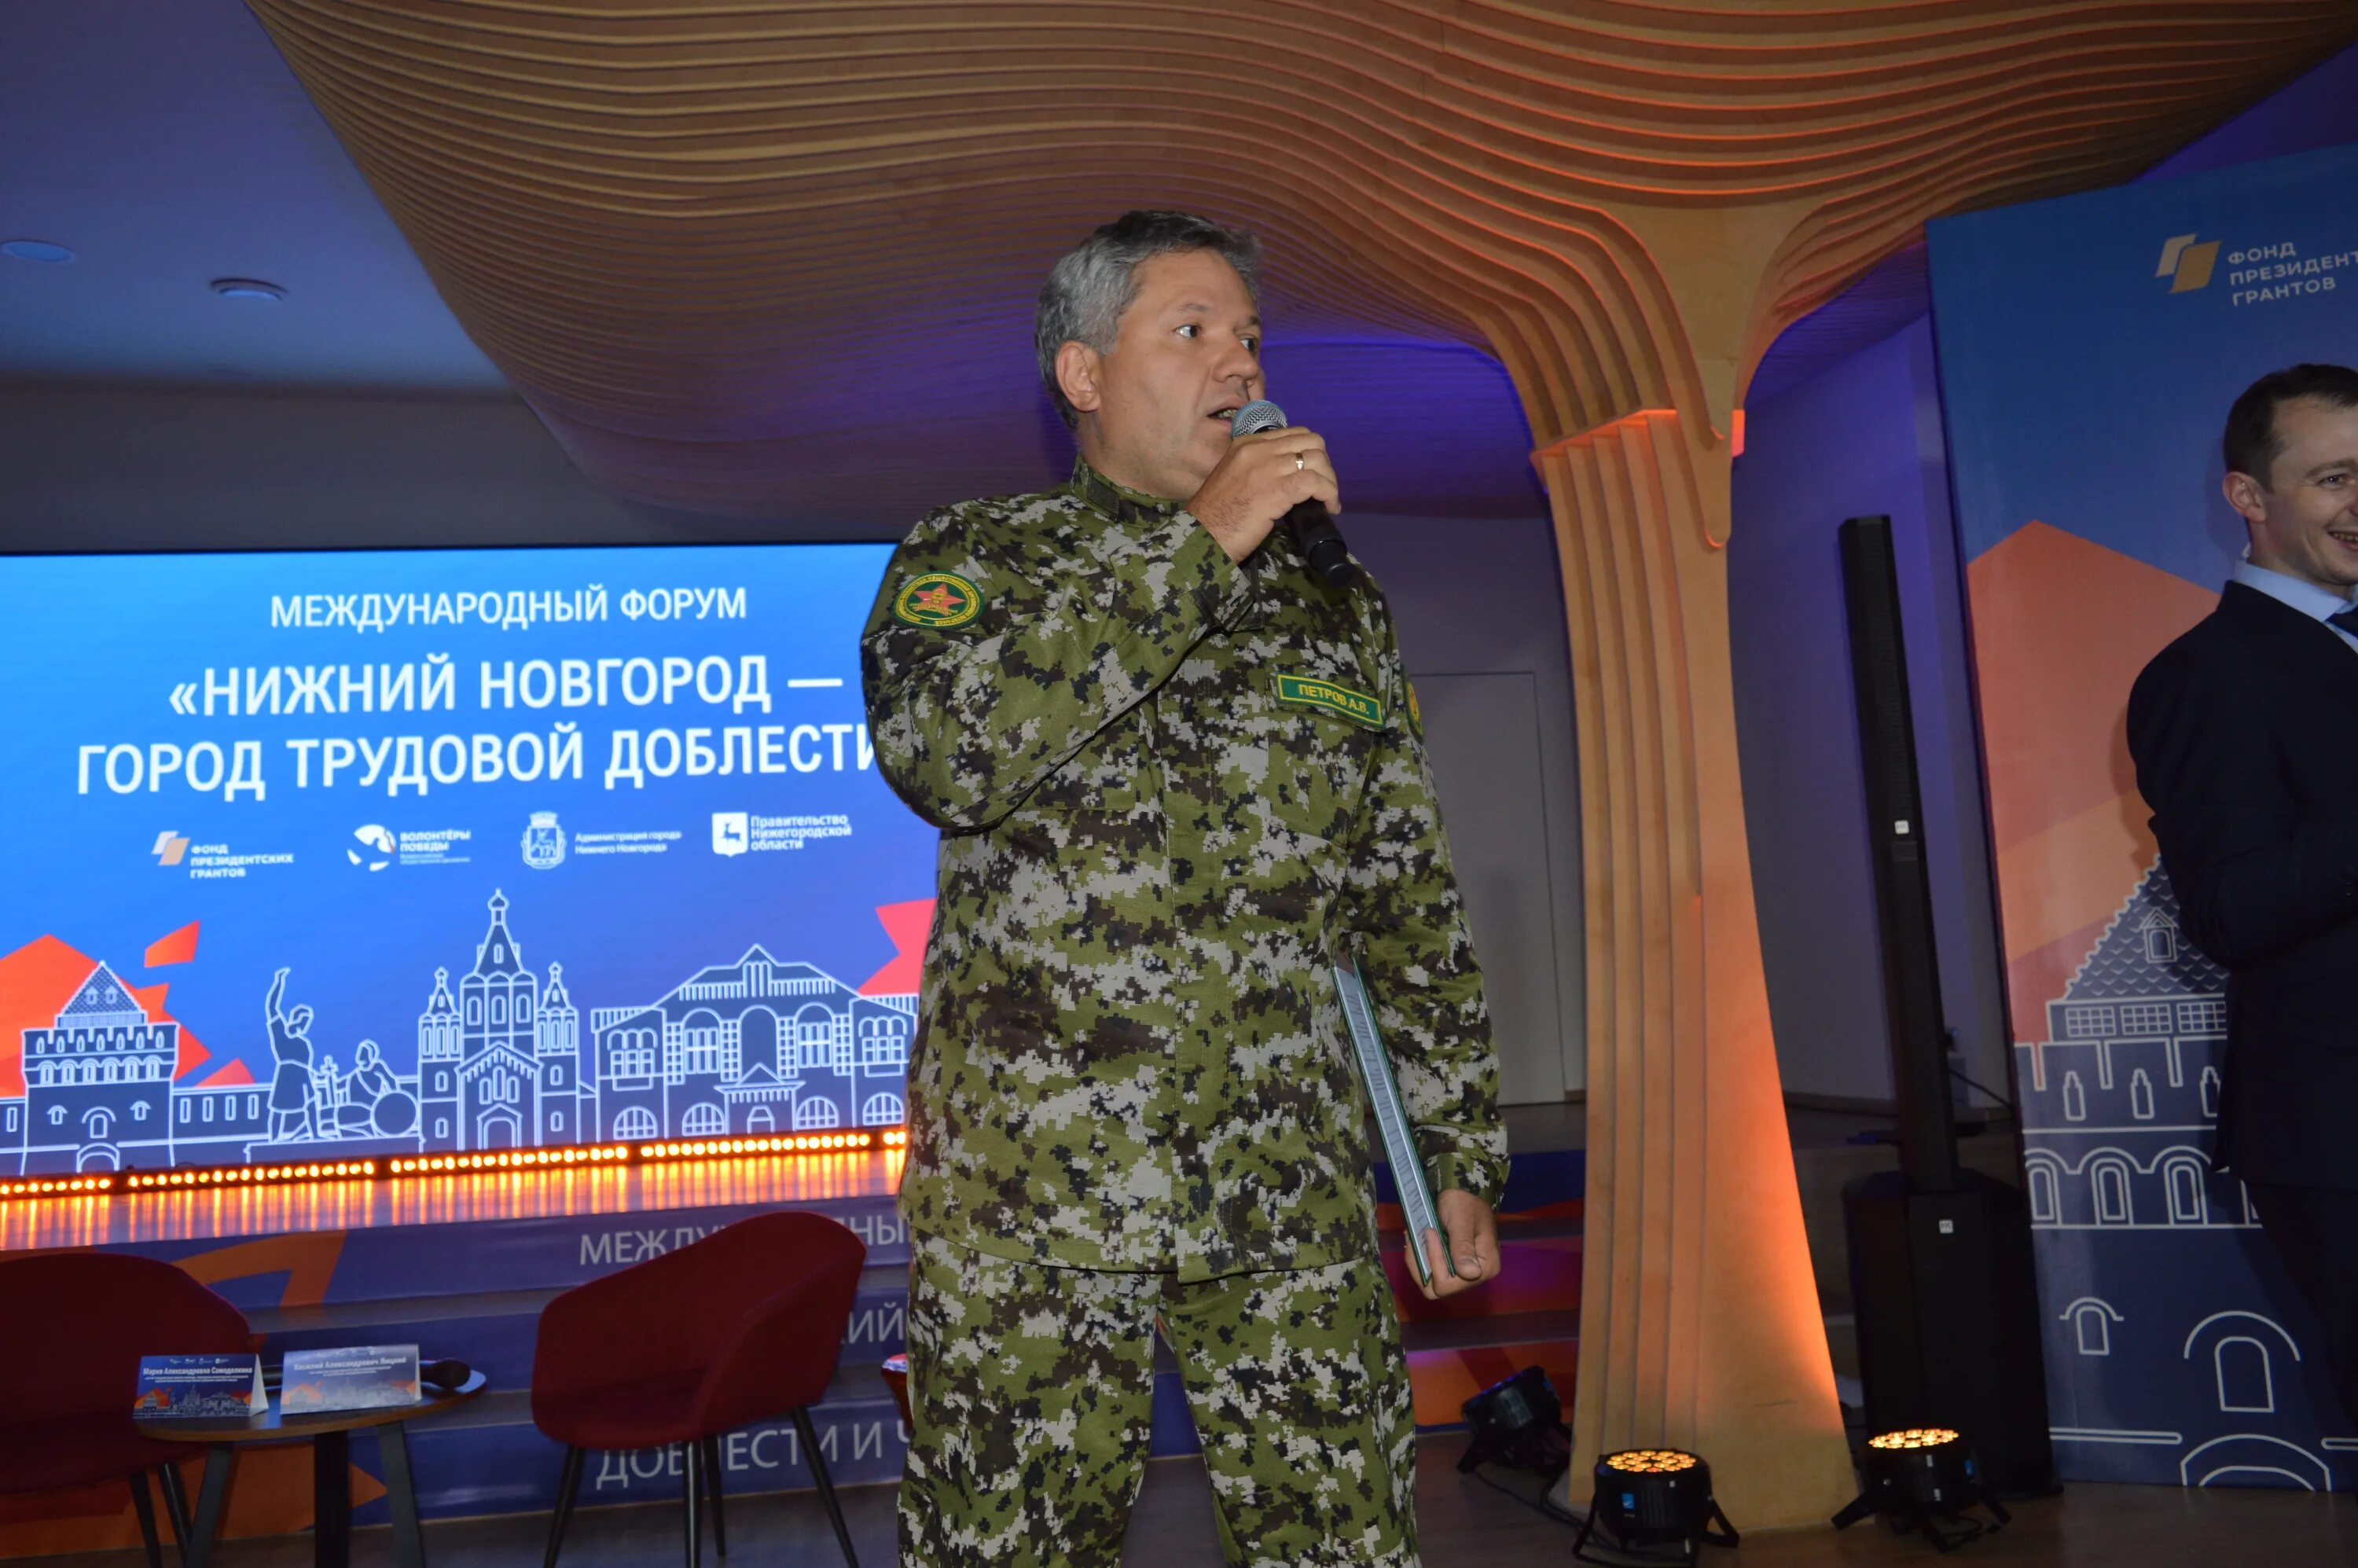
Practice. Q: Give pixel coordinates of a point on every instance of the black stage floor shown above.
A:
(1465, 1525)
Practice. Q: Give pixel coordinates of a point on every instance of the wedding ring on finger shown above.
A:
(1297, 462)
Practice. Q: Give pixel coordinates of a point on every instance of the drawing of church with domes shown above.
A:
(500, 1063)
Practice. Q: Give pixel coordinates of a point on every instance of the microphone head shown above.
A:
(1259, 415)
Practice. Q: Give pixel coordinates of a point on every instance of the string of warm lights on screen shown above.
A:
(579, 1156)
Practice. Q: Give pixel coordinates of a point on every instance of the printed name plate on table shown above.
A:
(200, 1387)
(355, 1378)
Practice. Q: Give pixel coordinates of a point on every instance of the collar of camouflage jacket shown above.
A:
(1118, 502)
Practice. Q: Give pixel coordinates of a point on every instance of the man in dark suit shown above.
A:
(2246, 736)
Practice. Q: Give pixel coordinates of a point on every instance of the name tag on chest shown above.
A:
(1307, 691)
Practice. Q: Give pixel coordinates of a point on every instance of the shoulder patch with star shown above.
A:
(937, 602)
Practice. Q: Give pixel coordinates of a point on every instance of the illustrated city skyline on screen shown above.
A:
(336, 856)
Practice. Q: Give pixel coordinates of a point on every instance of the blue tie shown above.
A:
(2344, 621)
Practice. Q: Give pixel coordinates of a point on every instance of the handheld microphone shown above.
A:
(1313, 527)
(448, 1375)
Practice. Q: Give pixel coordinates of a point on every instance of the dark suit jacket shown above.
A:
(2246, 736)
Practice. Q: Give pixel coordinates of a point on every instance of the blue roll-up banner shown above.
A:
(2090, 348)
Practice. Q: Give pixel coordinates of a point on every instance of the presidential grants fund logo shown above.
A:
(2188, 261)
(205, 862)
(374, 846)
(731, 832)
(2255, 275)
(544, 842)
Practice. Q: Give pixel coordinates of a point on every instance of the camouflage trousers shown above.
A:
(1032, 1387)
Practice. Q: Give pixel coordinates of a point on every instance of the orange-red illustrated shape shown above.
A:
(908, 924)
(2061, 626)
(308, 1258)
(179, 948)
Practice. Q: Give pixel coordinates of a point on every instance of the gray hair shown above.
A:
(1092, 284)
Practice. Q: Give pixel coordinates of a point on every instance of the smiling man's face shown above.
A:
(1155, 411)
(2304, 513)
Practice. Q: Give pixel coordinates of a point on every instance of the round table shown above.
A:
(329, 1434)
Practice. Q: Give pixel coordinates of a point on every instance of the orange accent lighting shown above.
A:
(1914, 1437)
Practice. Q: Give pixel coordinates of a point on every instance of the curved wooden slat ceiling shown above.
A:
(767, 257)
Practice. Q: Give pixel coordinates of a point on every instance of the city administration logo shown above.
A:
(544, 842)
(2187, 263)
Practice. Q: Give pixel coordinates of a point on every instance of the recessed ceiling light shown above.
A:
(247, 288)
(36, 251)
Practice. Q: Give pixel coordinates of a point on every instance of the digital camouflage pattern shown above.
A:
(1033, 1385)
(1165, 783)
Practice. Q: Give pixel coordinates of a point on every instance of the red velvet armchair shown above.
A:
(76, 1325)
(740, 1327)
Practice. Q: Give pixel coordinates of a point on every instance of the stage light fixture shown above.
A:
(1649, 1497)
(57, 1186)
(1921, 1479)
(1518, 1422)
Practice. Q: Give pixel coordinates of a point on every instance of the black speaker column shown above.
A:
(1941, 1269)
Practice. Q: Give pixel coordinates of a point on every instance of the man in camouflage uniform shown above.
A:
(1175, 773)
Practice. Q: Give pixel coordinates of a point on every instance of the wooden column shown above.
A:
(1700, 1323)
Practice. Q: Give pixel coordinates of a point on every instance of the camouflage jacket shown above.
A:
(1169, 785)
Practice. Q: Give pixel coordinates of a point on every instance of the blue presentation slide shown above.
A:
(340, 855)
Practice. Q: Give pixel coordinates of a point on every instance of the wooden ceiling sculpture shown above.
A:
(778, 258)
